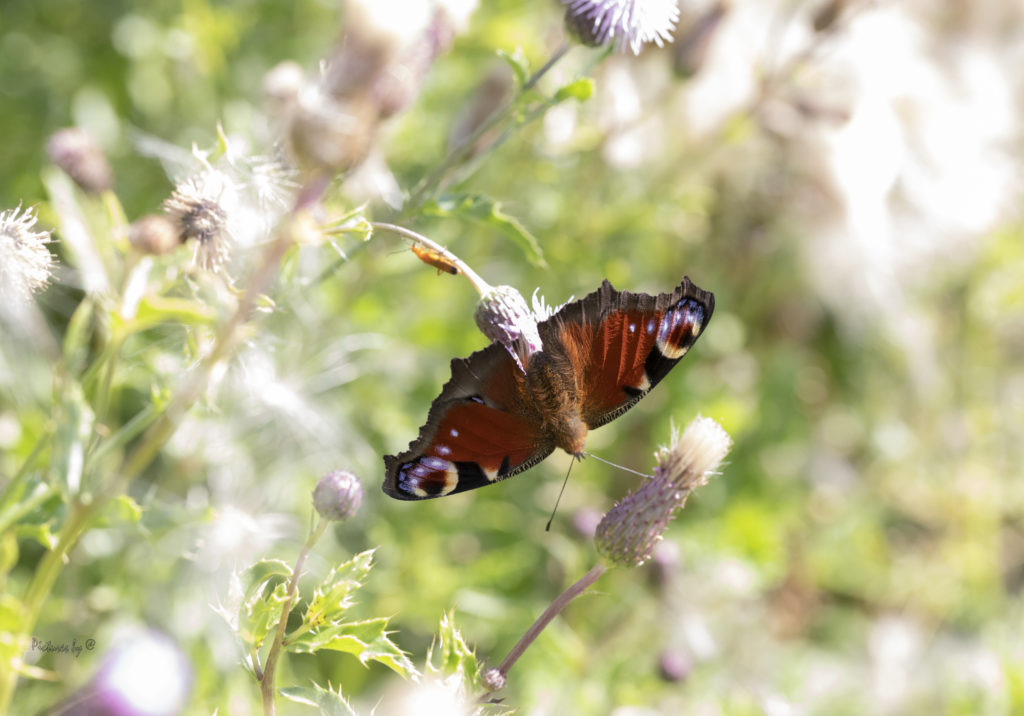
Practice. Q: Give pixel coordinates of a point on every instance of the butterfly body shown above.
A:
(495, 419)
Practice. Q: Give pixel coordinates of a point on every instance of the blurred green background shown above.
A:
(850, 196)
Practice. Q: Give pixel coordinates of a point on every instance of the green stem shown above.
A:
(458, 153)
(554, 609)
(42, 582)
(478, 283)
(267, 690)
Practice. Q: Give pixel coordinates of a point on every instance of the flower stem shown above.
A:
(428, 184)
(553, 610)
(479, 284)
(267, 690)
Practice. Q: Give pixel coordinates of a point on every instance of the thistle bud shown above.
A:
(503, 316)
(691, 48)
(338, 495)
(494, 680)
(154, 234)
(77, 153)
(630, 530)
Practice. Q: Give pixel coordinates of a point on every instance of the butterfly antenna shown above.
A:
(621, 467)
(560, 493)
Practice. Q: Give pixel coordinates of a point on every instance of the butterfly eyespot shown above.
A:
(454, 433)
(443, 450)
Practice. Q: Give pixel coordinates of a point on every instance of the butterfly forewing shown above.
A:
(479, 431)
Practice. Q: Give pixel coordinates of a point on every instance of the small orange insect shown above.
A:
(435, 258)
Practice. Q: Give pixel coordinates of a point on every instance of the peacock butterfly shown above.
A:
(600, 355)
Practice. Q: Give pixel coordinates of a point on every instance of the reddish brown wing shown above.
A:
(622, 344)
(481, 429)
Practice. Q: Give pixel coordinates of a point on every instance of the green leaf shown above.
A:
(329, 703)
(21, 497)
(8, 553)
(78, 337)
(579, 90)
(74, 428)
(519, 64)
(333, 596)
(453, 655)
(154, 310)
(12, 614)
(366, 640)
(266, 591)
(40, 533)
(121, 510)
(484, 210)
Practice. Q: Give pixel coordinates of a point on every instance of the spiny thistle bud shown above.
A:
(827, 14)
(25, 262)
(503, 316)
(628, 533)
(196, 209)
(76, 152)
(154, 234)
(332, 135)
(338, 495)
(494, 680)
(624, 23)
(674, 666)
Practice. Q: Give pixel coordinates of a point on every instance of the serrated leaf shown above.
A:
(519, 64)
(262, 613)
(453, 655)
(328, 702)
(580, 90)
(333, 596)
(263, 570)
(266, 590)
(366, 640)
(484, 210)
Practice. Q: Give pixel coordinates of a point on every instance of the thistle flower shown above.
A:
(25, 262)
(79, 154)
(628, 533)
(338, 495)
(196, 207)
(624, 23)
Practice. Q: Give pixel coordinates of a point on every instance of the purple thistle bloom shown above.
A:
(624, 23)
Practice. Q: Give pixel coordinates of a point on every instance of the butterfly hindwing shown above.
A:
(479, 430)
(622, 344)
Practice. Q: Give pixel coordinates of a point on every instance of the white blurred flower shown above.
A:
(198, 208)
(25, 262)
(144, 674)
